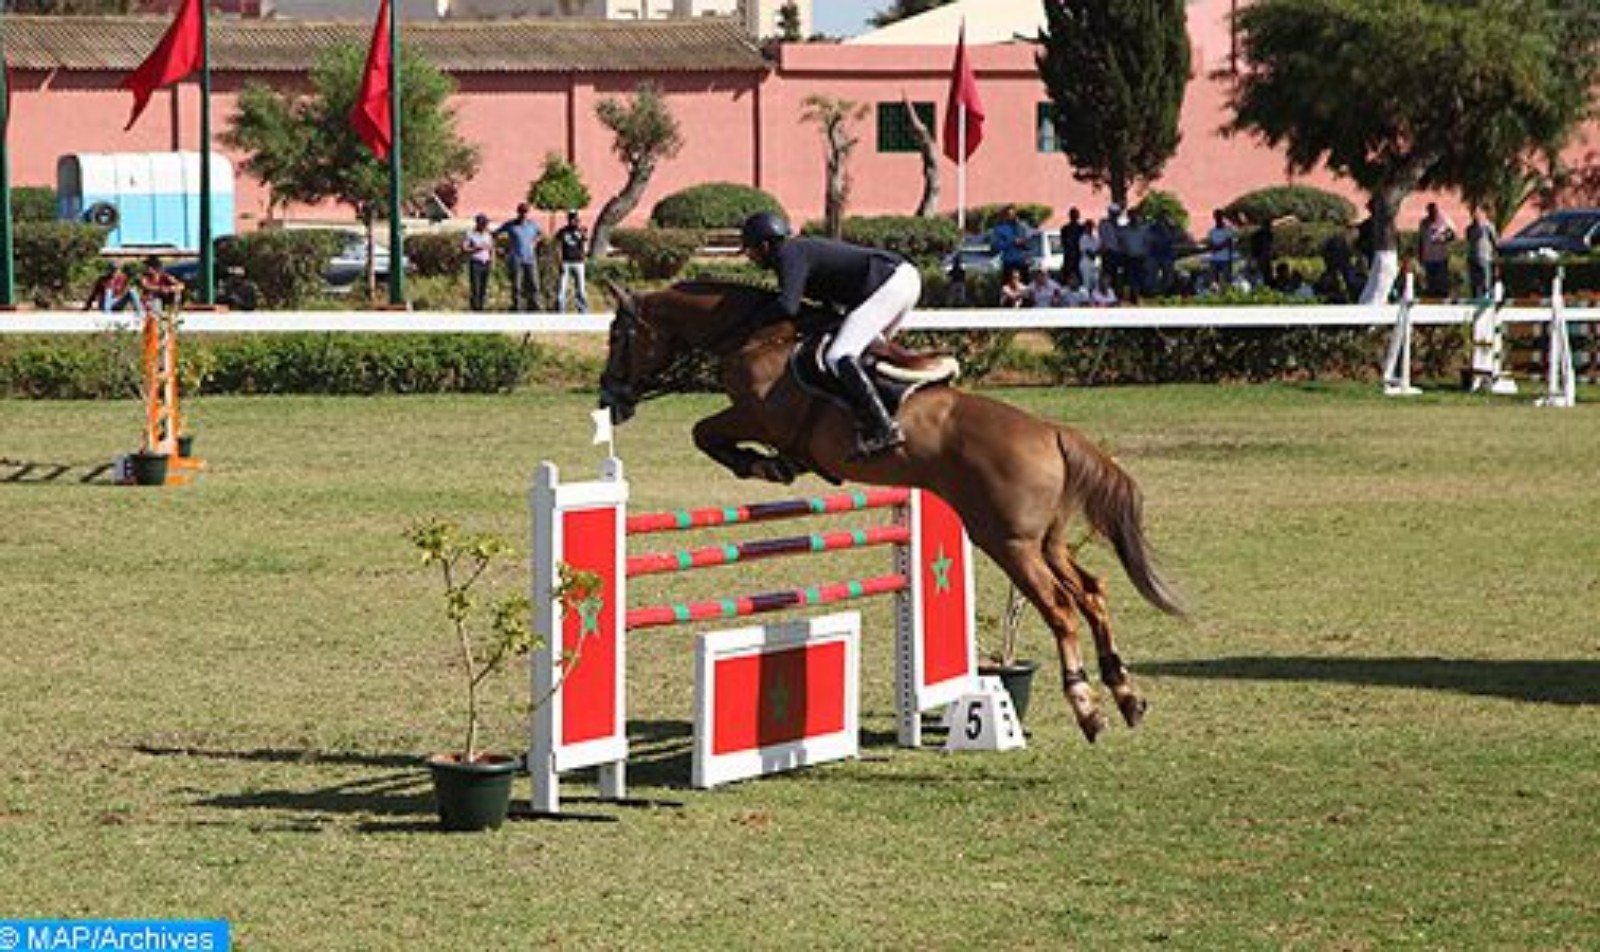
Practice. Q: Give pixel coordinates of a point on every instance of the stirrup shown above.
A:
(873, 443)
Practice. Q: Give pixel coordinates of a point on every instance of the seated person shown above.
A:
(1073, 294)
(1043, 291)
(159, 287)
(1103, 295)
(1013, 293)
(113, 291)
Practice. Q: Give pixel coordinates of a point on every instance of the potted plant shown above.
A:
(128, 352)
(473, 787)
(1017, 676)
(196, 368)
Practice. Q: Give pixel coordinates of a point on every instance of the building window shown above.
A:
(1044, 123)
(894, 128)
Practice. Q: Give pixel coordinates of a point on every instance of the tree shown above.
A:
(645, 133)
(304, 148)
(559, 187)
(789, 22)
(1115, 71)
(1398, 95)
(928, 147)
(834, 116)
(901, 9)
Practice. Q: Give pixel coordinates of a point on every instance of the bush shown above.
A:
(282, 268)
(1527, 277)
(712, 205)
(981, 218)
(659, 253)
(436, 254)
(54, 257)
(33, 203)
(1306, 239)
(559, 187)
(1164, 206)
(1302, 202)
(923, 240)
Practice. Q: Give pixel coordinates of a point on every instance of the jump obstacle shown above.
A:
(585, 526)
(163, 421)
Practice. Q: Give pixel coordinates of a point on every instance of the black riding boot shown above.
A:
(878, 430)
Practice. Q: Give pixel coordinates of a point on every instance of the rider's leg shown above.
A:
(877, 316)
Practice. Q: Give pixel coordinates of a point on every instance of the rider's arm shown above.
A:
(792, 272)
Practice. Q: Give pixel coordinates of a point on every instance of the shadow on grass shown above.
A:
(1568, 682)
(22, 472)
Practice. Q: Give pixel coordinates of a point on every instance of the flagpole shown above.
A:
(208, 266)
(7, 275)
(397, 269)
(961, 170)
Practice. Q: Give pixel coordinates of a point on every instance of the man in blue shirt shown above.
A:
(522, 259)
(1009, 239)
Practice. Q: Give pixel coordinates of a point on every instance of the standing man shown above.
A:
(1481, 239)
(479, 246)
(522, 259)
(573, 243)
(1071, 235)
(1219, 250)
(1433, 247)
(1009, 239)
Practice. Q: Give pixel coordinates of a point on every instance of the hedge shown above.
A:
(55, 257)
(1302, 202)
(436, 254)
(277, 268)
(33, 203)
(712, 205)
(981, 218)
(919, 239)
(659, 253)
(94, 367)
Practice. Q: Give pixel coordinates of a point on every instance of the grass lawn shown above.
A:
(1380, 728)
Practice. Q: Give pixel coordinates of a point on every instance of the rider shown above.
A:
(878, 288)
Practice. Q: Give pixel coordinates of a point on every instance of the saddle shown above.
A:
(896, 371)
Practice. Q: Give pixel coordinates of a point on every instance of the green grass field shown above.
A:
(1380, 728)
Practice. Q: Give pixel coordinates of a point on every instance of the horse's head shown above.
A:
(636, 350)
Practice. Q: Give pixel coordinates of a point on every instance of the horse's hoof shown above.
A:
(1092, 726)
(1133, 708)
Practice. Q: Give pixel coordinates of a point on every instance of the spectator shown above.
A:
(522, 259)
(1043, 291)
(114, 290)
(1340, 282)
(1089, 255)
(1009, 239)
(1112, 268)
(1013, 293)
(1163, 256)
(1073, 293)
(1135, 236)
(1261, 253)
(955, 290)
(1103, 294)
(573, 243)
(1220, 242)
(1481, 239)
(479, 246)
(158, 289)
(1434, 236)
(1071, 236)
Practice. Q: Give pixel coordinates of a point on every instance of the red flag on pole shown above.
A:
(371, 115)
(177, 56)
(963, 96)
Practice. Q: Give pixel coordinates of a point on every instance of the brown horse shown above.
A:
(1014, 479)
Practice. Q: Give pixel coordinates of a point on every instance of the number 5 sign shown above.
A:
(984, 720)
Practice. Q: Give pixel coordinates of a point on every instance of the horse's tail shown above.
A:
(1114, 507)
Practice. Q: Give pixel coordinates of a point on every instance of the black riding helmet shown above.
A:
(762, 230)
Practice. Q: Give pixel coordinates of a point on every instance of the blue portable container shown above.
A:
(146, 199)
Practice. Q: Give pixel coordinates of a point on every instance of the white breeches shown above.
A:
(878, 316)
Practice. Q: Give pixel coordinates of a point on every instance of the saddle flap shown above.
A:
(896, 371)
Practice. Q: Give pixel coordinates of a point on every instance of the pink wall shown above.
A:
(740, 127)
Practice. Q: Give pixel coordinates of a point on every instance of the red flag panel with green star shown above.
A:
(944, 584)
(588, 695)
(779, 697)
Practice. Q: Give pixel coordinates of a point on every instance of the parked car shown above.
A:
(1569, 231)
(977, 257)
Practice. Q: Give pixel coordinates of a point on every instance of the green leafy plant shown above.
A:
(488, 630)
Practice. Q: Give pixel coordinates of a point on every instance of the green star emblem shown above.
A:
(778, 696)
(941, 571)
(589, 615)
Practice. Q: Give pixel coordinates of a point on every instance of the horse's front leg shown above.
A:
(721, 436)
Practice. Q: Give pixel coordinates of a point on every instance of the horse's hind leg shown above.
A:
(1090, 596)
(1032, 575)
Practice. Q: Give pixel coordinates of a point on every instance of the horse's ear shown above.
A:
(623, 296)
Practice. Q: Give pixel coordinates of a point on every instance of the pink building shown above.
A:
(529, 87)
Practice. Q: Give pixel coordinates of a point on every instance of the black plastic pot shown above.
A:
(1017, 679)
(149, 469)
(186, 446)
(473, 796)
